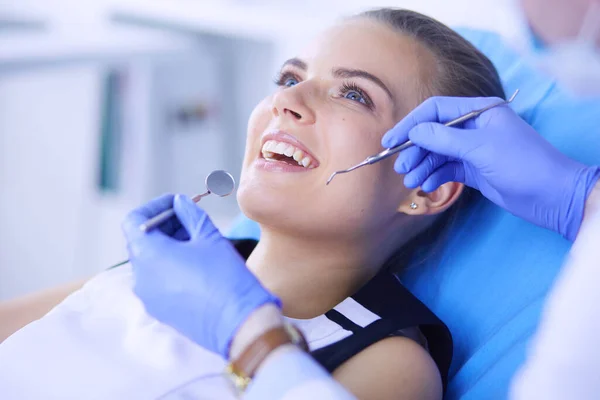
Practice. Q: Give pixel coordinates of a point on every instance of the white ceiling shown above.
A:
(75, 25)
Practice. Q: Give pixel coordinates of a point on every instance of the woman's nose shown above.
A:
(289, 103)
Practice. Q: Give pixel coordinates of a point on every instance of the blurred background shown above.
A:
(105, 104)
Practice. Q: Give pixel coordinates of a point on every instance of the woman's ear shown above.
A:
(420, 203)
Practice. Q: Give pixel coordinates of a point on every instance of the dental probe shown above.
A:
(218, 182)
(396, 149)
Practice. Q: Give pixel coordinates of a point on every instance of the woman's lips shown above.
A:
(282, 152)
(279, 145)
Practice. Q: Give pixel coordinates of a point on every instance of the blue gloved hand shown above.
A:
(497, 153)
(189, 276)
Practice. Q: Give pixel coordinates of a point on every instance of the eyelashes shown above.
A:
(284, 78)
(348, 90)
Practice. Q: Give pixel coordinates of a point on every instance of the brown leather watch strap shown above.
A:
(252, 357)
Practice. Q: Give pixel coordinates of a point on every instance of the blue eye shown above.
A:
(355, 96)
(289, 82)
(286, 79)
(352, 92)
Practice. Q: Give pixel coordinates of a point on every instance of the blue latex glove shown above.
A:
(497, 153)
(189, 276)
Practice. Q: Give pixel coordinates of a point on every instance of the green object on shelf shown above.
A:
(111, 133)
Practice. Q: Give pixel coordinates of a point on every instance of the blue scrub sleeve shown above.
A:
(291, 374)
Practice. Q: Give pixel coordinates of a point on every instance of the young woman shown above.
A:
(326, 251)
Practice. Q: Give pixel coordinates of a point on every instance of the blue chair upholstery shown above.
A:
(489, 280)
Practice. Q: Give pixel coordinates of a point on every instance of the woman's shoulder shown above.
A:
(395, 338)
(394, 367)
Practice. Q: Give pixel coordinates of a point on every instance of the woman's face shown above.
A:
(334, 103)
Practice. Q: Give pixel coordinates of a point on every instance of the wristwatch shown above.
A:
(242, 370)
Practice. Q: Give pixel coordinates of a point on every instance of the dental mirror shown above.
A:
(218, 182)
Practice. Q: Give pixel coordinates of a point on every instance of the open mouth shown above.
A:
(287, 153)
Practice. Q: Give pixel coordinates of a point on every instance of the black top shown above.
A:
(397, 308)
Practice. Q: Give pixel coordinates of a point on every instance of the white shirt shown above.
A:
(564, 357)
(101, 344)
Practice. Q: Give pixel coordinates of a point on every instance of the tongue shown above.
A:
(286, 159)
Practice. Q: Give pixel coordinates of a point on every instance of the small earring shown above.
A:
(413, 206)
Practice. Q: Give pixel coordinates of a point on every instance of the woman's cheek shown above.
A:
(260, 117)
(257, 124)
(366, 135)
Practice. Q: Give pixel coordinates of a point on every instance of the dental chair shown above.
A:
(489, 281)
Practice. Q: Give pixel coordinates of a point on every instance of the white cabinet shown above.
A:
(46, 160)
(56, 222)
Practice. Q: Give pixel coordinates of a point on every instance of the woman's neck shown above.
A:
(312, 276)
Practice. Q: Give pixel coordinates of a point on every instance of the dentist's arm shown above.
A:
(514, 167)
(592, 206)
(198, 284)
(498, 154)
(287, 373)
(563, 360)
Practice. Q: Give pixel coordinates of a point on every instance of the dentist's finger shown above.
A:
(156, 206)
(451, 142)
(421, 172)
(194, 219)
(138, 241)
(449, 172)
(409, 159)
(437, 109)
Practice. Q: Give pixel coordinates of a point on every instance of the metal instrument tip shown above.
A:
(513, 96)
(330, 178)
(362, 164)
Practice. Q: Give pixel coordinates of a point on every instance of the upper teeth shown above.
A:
(274, 147)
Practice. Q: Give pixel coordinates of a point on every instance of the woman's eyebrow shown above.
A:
(295, 62)
(353, 73)
(343, 73)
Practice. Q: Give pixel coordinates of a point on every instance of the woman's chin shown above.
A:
(273, 207)
(289, 202)
(288, 214)
(263, 203)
